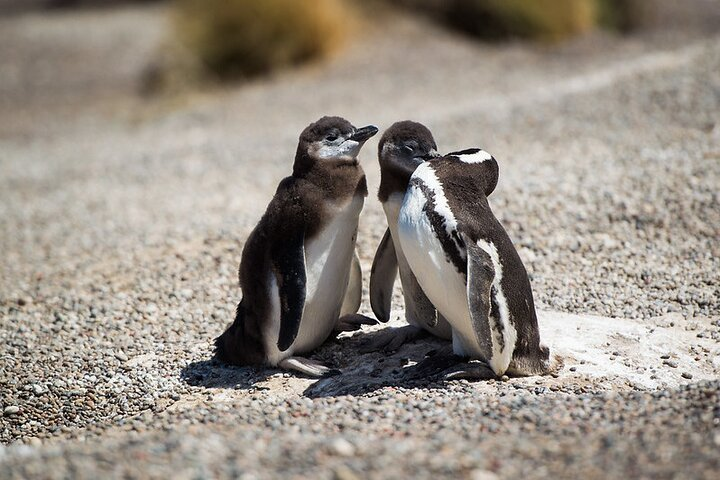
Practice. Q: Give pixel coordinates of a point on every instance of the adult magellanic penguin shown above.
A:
(467, 265)
(299, 274)
(402, 148)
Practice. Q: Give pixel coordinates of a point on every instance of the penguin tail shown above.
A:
(540, 362)
(226, 344)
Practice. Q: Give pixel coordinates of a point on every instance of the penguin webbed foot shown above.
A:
(308, 367)
(352, 322)
(391, 339)
(450, 367)
(475, 371)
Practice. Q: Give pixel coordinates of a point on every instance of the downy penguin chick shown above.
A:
(402, 148)
(299, 273)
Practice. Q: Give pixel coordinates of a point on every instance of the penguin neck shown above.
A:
(335, 182)
(394, 178)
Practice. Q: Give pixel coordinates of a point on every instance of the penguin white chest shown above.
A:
(328, 256)
(438, 277)
(443, 283)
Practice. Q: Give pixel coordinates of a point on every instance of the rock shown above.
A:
(120, 355)
(483, 475)
(342, 447)
(687, 375)
(11, 410)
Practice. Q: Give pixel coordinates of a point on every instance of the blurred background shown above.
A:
(132, 125)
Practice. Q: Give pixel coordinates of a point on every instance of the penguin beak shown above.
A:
(362, 134)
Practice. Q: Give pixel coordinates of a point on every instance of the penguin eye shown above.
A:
(408, 149)
(332, 137)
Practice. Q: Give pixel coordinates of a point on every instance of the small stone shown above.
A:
(482, 475)
(342, 447)
(686, 375)
(573, 369)
(344, 473)
(670, 363)
(11, 410)
(504, 378)
(120, 355)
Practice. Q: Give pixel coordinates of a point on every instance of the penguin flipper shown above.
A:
(289, 265)
(480, 275)
(382, 277)
(353, 294)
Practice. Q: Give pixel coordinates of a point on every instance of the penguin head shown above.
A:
(403, 147)
(331, 142)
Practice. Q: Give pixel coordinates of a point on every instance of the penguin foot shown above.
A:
(308, 367)
(450, 367)
(391, 339)
(475, 370)
(353, 322)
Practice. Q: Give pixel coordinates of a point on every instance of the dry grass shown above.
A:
(243, 38)
(542, 19)
(548, 20)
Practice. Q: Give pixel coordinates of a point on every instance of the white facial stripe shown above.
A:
(427, 175)
(347, 149)
(477, 157)
(504, 355)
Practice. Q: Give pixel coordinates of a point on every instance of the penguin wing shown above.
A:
(289, 266)
(480, 275)
(382, 277)
(353, 294)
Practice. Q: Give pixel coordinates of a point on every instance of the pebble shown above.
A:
(342, 447)
(670, 363)
(483, 475)
(11, 410)
(120, 355)
(687, 375)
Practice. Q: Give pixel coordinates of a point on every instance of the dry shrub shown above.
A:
(544, 19)
(624, 15)
(539, 19)
(243, 38)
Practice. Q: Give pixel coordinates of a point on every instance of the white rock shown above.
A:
(342, 447)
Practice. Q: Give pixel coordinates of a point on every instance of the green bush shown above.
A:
(243, 38)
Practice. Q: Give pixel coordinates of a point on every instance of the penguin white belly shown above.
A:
(328, 257)
(443, 284)
(392, 210)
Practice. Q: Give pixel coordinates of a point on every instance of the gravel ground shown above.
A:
(122, 221)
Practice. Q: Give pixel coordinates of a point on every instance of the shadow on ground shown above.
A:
(214, 374)
(361, 372)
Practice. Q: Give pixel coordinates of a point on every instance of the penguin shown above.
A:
(466, 264)
(299, 272)
(402, 148)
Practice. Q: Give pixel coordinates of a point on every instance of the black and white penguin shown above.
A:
(299, 273)
(402, 148)
(467, 265)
